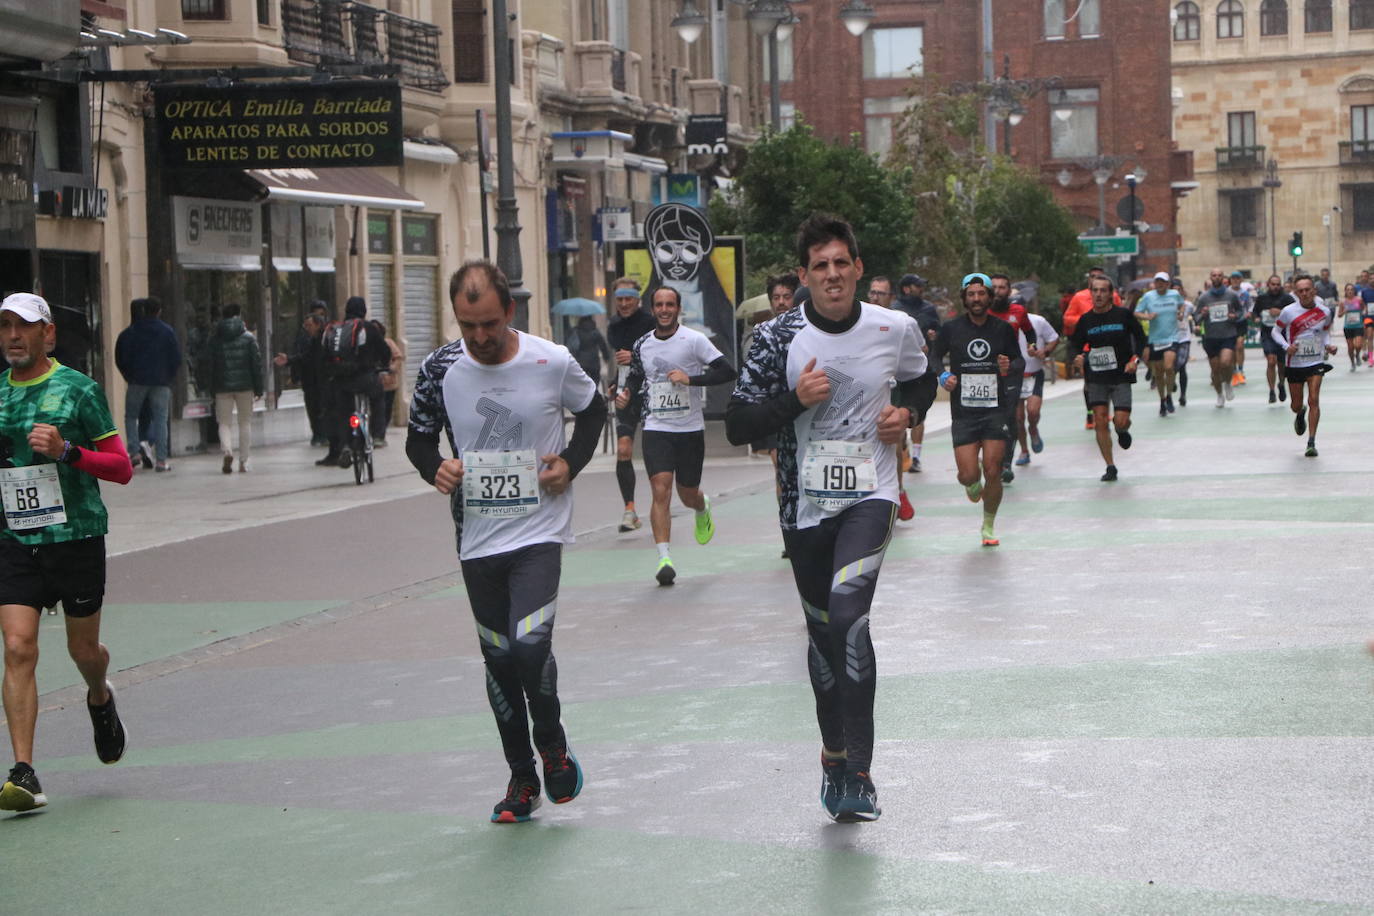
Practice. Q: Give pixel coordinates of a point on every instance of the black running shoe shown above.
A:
(1163, 409)
(832, 784)
(562, 773)
(860, 800)
(21, 791)
(1300, 422)
(1110, 475)
(109, 731)
(1272, 396)
(522, 797)
(1007, 475)
(1283, 393)
(1123, 438)
(1169, 403)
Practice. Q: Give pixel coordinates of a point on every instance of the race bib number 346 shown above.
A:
(978, 390)
(836, 474)
(500, 484)
(32, 497)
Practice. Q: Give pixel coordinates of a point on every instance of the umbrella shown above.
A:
(578, 305)
(1142, 283)
(750, 307)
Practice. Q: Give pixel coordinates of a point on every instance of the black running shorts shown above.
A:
(72, 572)
(986, 426)
(681, 454)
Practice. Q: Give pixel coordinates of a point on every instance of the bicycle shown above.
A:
(360, 438)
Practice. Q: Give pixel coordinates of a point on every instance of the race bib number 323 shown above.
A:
(500, 484)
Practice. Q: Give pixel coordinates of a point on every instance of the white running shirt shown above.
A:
(1045, 338)
(667, 407)
(1309, 328)
(513, 406)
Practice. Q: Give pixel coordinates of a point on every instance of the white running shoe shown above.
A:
(1230, 394)
(1221, 399)
(629, 521)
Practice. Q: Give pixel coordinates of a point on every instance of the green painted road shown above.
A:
(1153, 697)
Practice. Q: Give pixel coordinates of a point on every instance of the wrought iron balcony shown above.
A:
(1357, 152)
(323, 32)
(1240, 157)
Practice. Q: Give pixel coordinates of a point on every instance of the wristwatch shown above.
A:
(70, 453)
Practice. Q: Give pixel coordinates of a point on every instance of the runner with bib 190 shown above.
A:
(984, 382)
(500, 394)
(822, 377)
(670, 367)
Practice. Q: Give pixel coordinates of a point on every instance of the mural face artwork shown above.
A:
(680, 239)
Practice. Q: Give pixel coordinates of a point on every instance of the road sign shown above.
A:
(1124, 245)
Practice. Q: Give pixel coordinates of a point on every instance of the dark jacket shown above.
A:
(623, 332)
(147, 353)
(925, 313)
(235, 361)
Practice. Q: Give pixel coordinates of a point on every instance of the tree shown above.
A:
(791, 174)
(976, 209)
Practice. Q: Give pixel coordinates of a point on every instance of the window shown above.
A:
(787, 115)
(1242, 212)
(1187, 21)
(1230, 19)
(1188, 24)
(1361, 14)
(1054, 18)
(1362, 130)
(1240, 129)
(1316, 16)
(1089, 19)
(784, 60)
(202, 9)
(1073, 135)
(1274, 17)
(1362, 205)
(264, 12)
(891, 53)
(469, 42)
(879, 116)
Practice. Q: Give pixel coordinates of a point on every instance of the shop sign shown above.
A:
(73, 202)
(280, 125)
(217, 234)
(706, 135)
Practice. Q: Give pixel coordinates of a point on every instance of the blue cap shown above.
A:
(975, 277)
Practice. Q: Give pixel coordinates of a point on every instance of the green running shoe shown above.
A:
(666, 574)
(706, 528)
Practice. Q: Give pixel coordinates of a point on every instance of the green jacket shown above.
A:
(235, 361)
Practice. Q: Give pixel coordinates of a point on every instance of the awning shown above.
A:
(360, 187)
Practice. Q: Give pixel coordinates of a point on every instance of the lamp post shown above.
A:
(774, 21)
(1132, 179)
(1272, 182)
(1004, 96)
(507, 210)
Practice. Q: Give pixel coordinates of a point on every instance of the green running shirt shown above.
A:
(76, 406)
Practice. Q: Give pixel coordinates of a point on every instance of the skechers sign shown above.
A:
(282, 125)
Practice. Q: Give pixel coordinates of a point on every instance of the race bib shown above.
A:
(1309, 348)
(1027, 386)
(1102, 359)
(978, 390)
(500, 484)
(1354, 320)
(32, 497)
(836, 474)
(1219, 312)
(669, 400)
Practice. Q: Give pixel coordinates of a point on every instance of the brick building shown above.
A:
(1110, 114)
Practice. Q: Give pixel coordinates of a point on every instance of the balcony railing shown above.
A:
(324, 32)
(1240, 157)
(1357, 152)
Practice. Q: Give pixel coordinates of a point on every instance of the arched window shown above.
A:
(1274, 17)
(1187, 21)
(1316, 16)
(1361, 14)
(1230, 19)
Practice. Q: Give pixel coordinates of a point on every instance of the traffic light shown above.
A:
(1295, 245)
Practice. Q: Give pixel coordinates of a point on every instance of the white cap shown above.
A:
(27, 306)
(1162, 276)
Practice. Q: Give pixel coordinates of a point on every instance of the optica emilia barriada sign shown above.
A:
(281, 125)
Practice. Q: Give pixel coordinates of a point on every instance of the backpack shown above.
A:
(343, 344)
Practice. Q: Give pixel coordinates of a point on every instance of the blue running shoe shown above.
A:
(562, 774)
(1022, 461)
(522, 797)
(832, 784)
(860, 800)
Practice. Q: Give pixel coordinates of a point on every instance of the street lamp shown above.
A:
(1272, 182)
(856, 15)
(689, 23)
(507, 210)
(1132, 179)
(1004, 96)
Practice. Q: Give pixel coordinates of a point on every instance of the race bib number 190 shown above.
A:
(32, 497)
(500, 484)
(836, 474)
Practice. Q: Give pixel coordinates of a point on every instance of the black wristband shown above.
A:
(70, 453)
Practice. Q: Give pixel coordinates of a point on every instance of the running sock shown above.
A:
(989, 519)
(916, 450)
(705, 507)
(662, 551)
(625, 476)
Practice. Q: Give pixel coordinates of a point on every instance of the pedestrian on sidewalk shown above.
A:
(388, 384)
(235, 382)
(148, 355)
(58, 437)
(304, 363)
